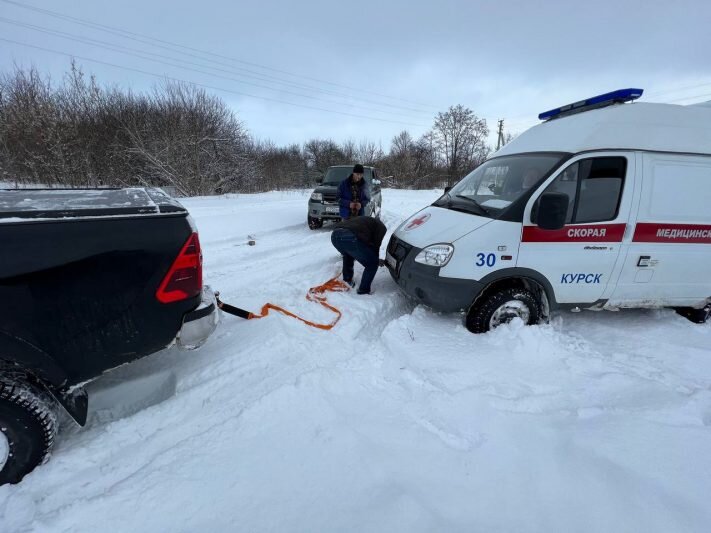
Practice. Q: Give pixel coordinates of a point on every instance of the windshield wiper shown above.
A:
(480, 207)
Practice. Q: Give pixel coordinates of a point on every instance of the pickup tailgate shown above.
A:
(79, 272)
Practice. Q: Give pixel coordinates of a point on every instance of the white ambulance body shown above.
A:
(605, 208)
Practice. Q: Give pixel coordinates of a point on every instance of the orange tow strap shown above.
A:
(315, 294)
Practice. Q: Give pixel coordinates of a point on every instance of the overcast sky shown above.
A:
(380, 67)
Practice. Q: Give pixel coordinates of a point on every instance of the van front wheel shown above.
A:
(501, 307)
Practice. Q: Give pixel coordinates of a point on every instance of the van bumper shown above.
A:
(424, 284)
(199, 324)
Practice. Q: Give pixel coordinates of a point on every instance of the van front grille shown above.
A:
(399, 249)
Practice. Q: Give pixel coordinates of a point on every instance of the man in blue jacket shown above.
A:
(353, 194)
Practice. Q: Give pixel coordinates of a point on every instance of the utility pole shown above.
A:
(500, 141)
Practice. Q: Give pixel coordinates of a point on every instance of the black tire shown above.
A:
(28, 421)
(480, 317)
(697, 316)
(315, 223)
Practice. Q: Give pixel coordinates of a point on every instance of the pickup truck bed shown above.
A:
(93, 279)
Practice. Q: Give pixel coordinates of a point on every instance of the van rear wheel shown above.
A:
(501, 307)
(697, 316)
(28, 425)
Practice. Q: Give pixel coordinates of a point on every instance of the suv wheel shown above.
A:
(28, 425)
(502, 307)
(315, 223)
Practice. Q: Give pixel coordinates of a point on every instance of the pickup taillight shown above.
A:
(184, 279)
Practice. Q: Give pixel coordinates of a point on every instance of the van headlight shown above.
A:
(316, 197)
(436, 255)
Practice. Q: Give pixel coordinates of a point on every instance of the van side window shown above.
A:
(593, 187)
(567, 183)
(600, 189)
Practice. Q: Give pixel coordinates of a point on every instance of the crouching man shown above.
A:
(359, 239)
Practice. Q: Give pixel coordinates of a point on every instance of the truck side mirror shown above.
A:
(552, 210)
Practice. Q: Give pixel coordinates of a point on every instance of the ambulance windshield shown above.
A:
(499, 182)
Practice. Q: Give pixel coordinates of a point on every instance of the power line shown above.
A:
(133, 53)
(212, 87)
(232, 69)
(707, 95)
(125, 33)
(657, 93)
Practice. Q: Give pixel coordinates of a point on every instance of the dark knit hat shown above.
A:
(358, 169)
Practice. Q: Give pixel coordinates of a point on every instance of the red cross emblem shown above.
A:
(417, 222)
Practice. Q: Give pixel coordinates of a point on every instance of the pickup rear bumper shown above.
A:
(199, 324)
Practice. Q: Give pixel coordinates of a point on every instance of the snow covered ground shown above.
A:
(396, 420)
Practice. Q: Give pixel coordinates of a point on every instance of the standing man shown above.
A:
(353, 194)
(359, 239)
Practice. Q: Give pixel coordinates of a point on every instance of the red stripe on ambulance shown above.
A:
(587, 233)
(659, 232)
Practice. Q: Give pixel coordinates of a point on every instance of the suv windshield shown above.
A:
(335, 175)
(499, 182)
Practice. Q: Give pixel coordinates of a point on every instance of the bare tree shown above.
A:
(461, 140)
(282, 167)
(350, 151)
(368, 153)
(321, 154)
(402, 159)
(82, 134)
(79, 133)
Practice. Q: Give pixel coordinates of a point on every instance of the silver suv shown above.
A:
(323, 204)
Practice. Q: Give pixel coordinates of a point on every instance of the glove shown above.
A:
(381, 262)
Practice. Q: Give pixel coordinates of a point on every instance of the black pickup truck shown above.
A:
(90, 280)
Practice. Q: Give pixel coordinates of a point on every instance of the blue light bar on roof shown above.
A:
(602, 100)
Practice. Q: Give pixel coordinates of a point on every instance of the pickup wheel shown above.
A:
(501, 307)
(315, 223)
(28, 425)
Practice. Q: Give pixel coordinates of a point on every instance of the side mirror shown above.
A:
(447, 189)
(552, 210)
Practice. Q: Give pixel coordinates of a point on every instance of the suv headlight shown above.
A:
(317, 196)
(436, 255)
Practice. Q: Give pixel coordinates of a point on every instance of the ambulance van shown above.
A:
(605, 205)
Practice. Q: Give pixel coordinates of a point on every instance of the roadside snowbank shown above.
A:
(396, 420)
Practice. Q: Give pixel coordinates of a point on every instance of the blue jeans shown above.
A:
(352, 249)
